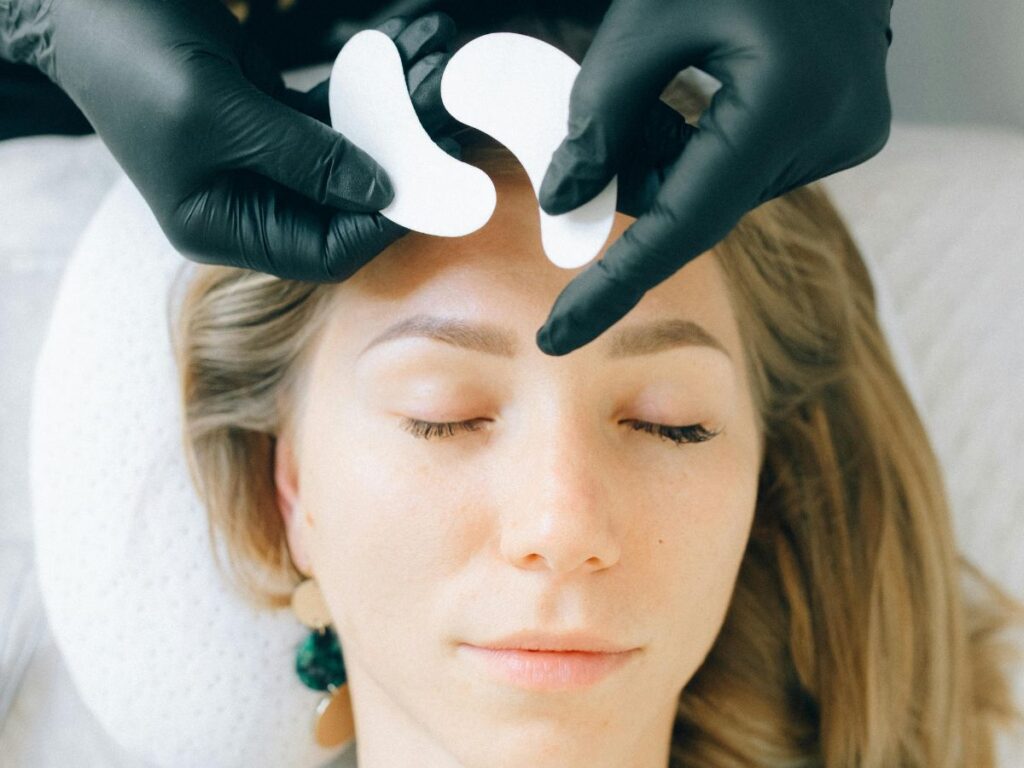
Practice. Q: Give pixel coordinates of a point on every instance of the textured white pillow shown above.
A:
(182, 673)
(176, 667)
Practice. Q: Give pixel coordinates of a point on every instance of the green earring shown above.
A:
(321, 666)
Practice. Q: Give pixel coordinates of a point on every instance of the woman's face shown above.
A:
(552, 513)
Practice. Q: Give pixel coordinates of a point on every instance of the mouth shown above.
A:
(547, 670)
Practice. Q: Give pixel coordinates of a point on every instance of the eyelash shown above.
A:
(691, 433)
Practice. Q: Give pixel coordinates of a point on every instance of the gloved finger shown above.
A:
(609, 98)
(264, 135)
(431, 33)
(418, 37)
(393, 26)
(663, 136)
(247, 221)
(424, 81)
(706, 191)
(313, 102)
(427, 37)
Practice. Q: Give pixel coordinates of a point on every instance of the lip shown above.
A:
(547, 641)
(547, 670)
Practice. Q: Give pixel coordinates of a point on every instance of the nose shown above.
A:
(561, 511)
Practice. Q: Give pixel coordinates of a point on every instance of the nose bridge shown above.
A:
(562, 514)
(569, 455)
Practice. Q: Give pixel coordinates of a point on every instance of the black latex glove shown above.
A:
(202, 123)
(803, 95)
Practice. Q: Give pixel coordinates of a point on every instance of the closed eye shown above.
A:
(690, 433)
(432, 429)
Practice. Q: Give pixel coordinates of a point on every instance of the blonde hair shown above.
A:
(852, 639)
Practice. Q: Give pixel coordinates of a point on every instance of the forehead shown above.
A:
(500, 274)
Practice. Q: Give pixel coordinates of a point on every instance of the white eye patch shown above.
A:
(516, 88)
(513, 87)
(369, 101)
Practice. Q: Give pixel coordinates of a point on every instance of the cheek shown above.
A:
(709, 536)
(704, 529)
(387, 533)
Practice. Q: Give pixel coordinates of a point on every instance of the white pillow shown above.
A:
(177, 668)
(183, 673)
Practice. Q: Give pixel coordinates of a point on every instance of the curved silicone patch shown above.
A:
(516, 88)
(369, 101)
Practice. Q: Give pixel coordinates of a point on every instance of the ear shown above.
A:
(298, 522)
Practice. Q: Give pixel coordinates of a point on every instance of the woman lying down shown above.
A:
(715, 536)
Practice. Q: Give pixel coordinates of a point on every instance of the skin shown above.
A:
(555, 515)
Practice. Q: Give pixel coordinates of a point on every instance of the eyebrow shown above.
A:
(632, 341)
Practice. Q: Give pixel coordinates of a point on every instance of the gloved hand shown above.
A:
(202, 123)
(803, 95)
